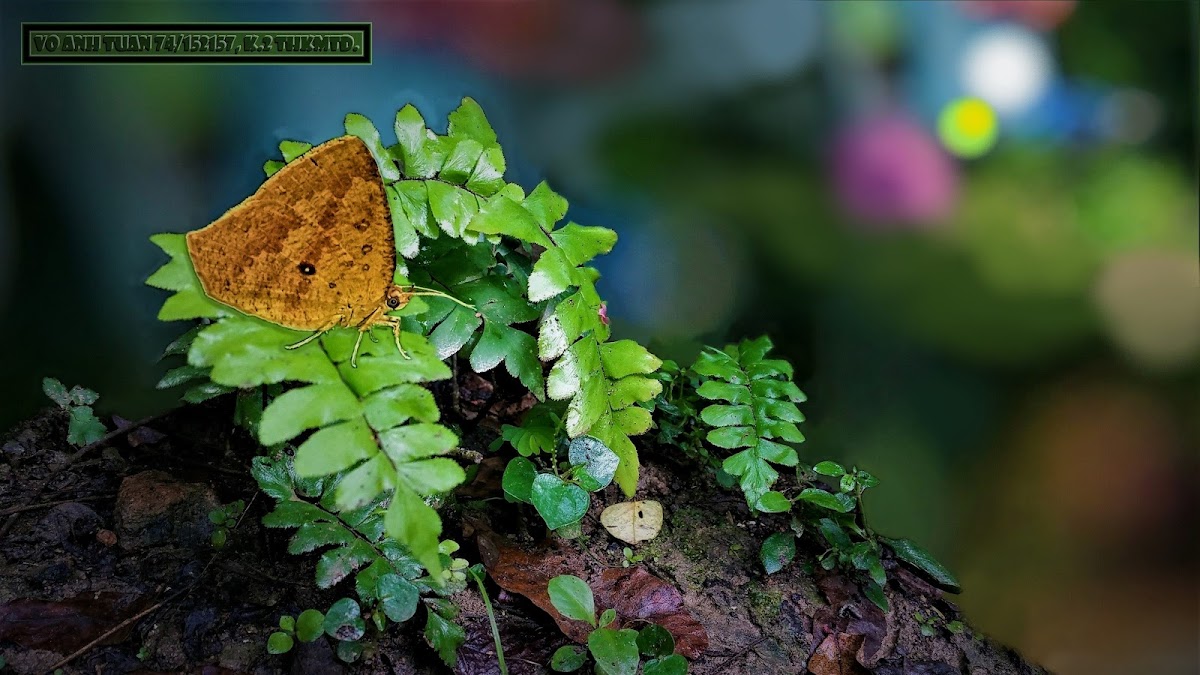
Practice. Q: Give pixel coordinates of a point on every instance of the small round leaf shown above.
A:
(279, 643)
(310, 625)
(568, 659)
(572, 598)
(654, 640)
(344, 620)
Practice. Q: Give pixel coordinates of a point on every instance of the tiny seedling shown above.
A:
(614, 651)
(83, 428)
(224, 518)
(630, 558)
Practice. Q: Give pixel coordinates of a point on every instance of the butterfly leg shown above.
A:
(318, 333)
(394, 322)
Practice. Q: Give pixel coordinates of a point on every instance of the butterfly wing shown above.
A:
(313, 243)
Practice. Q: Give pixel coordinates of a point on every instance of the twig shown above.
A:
(105, 440)
(86, 648)
(34, 507)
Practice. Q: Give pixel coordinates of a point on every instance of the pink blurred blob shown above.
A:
(890, 173)
(1039, 14)
(541, 39)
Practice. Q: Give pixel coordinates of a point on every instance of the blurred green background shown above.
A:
(971, 224)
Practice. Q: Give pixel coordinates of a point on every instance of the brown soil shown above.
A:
(120, 538)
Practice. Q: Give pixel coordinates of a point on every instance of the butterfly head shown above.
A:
(396, 297)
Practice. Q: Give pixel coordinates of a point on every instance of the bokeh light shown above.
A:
(968, 127)
(1009, 67)
(890, 172)
(1151, 303)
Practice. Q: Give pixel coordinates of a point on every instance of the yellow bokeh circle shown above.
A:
(968, 127)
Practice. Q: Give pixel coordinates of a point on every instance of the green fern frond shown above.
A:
(757, 412)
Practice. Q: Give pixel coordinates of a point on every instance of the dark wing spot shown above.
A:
(366, 268)
(366, 248)
(640, 514)
(307, 269)
(361, 225)
(332, 285)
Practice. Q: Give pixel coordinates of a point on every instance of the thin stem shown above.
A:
(492, 619)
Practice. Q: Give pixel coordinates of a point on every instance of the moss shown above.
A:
(764, 603)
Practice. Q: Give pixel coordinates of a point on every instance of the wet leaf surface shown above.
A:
(66, 625)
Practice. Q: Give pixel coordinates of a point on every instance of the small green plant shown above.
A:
(223, 518)
(83, 428)
(307, 627)
(630, 558)
(561, 494)
(614, 651)
(927, 624)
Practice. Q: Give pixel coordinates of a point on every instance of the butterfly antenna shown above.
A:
(421, 290)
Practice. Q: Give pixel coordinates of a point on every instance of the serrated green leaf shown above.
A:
(727, 415)
(580, 243)
(546, 205)
(245, 352)
(626, 357)
(56, 391)
(181, 375)
(633, 389)
(552, 274)
(411, 521)
(738, 394)
(416, 441)
(778, 389)
(312, 407)
(364, 482)
(632, 420)
(272, 477)
(468, 121)
(335, 448)
(419, 155)
(502, 215)
(452, 207)
(338, 563)
(357, 125)
(454, 332)
(430, 476)
(311, 536)
(389, 408)
(445, 637)
(488, 176)
(84, 428)
(404, 232)
(461, 161)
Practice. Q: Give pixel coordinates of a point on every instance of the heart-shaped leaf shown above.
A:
(598, 461)
(518, 479)
(559, 503)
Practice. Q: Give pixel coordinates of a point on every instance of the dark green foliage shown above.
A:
(561, 495)
(83, 428)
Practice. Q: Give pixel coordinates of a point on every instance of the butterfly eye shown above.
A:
(307, 269)
(393, 302)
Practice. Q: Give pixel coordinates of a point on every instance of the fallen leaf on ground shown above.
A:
(835, 656)
(638, 594)
(66, 625)
(633, 522)
(633, 592)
